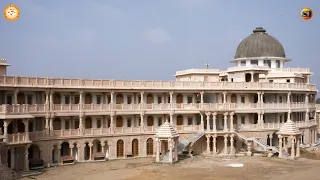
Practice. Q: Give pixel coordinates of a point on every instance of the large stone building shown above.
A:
(214, 112)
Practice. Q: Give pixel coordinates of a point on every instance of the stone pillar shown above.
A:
(298, 147)
(259, 99)
(307, 115)
(280, 146)
(307, 98)
(79, 153)
(51, 126)
(112, 98)
(285, 144)
(51, 100)
(81, 124)
(170, 149)
(225, 126)
(225, 150)
(176, 149)
(157, 150)
(59, 153)
(289, 99)
(208, 121)
(142, 122)
(292, 147)
(103, 144)
(201, 122)
(252, 77)
(47, 100)
(262, 120)
(26, 158)
(90, 155)
(249, 153)
(5, 130)
(201, 96)
(13, 157)
(224, 97)
(231, 122)
(171, 98)
(142, 99)
(26, 128)
(208, 144)
(232, 150)
(214, 123)
(214, 144)
(112, 122)
(171, 118)
(15, 98)
(71, 149)
(270, 140)
(47, 126)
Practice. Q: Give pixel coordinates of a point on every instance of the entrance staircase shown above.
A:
(261, 144)
(185, 142)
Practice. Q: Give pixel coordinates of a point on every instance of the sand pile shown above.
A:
(315, 155)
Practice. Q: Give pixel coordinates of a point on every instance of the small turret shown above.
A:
(3, 67)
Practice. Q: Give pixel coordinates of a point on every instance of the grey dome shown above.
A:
(260, 44)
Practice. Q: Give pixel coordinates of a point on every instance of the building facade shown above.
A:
(61, 120)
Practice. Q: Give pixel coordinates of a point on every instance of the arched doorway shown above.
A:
(135, 147)
(179, 120)
(57, 124)
(65, 149)
(97, 146)
(120, 148)
(88, 98)
(211, 143)
(34, 152)
(248, 77)
(57, 98)
(119, 99)
(88, 123)
(86, 151)
(255, 98)
(233, 98)
(119, 121)
(255, 118)
(179, 98)
(150, 147)
(149, 99)
(21, 98)
(150, 121)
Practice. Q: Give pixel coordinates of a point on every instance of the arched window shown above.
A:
(135, 147)
(150, 147)
(88, 98)
(149, 99)
(233, 98)
(179, 120)
(179, 99)
(56, 98)
(150, 121)
(56, 124)
(88, 123)
(119, 99)
(119, 122)
(120, 148)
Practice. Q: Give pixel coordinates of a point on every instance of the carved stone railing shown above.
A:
(296, 70)
(275, 126)
(41, 108)
(16, 138)
(16, 81)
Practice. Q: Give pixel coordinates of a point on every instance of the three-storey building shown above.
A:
(61, 119)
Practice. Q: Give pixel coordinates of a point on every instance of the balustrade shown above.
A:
(16, 81)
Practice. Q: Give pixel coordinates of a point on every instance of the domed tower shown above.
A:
(260, 49)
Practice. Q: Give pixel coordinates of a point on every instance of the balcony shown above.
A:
(15, 81)
(38, 109)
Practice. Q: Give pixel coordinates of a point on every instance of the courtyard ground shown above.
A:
(201, 168)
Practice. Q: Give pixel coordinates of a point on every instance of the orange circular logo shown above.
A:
(11, 12)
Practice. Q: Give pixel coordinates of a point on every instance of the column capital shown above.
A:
(279, 136)
(171, 93)
(141, 92)
(102, 144)
(142, 113)
(81, 92)
(214, 136)
(112, 113)
(214, 114)
(25, 122)
(208, 113)
(225, 114)
(258, 93)
(202, 92)
(231, 114)
(90, 144)
(225, 136)
(171, 113)
(224, 93)
(71, 146)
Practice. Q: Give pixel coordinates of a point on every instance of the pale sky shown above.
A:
(149, 39)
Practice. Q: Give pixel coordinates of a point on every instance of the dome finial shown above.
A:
(259, 29)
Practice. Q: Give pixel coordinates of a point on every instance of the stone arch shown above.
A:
(88, 98)
(88, 123)
(150, 121)
(255, 118)
(119, 99)
(150, 99)
(120, 148)
(248, 77)
(65, 149)
(119, 121)
(135, 147)
(34, 152)
(149, 147)
(179, 120)
(96, 145)
(57, 124)
(179, 99)
(21, 98)
(56, 98)
(233, 98)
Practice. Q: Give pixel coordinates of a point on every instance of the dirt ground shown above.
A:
(261, 168)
